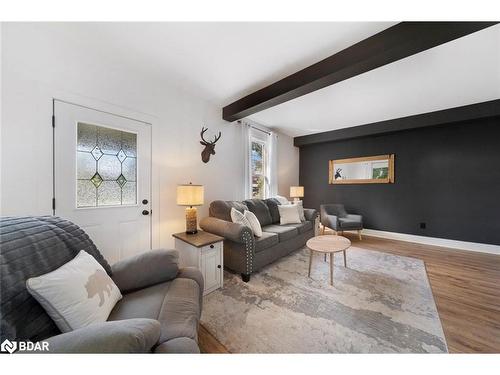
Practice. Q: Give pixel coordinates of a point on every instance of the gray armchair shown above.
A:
(334, 216)
(159, 311)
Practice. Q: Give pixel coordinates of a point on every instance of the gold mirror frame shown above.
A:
(388, 180)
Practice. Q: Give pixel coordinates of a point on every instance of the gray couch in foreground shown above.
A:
(159, 311)
(243, 252)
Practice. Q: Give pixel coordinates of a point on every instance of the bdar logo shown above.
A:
(8, 346)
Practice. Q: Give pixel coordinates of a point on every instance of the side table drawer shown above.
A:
(212, 247)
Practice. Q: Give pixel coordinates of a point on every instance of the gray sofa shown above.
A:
(159, 311)
(243, 252)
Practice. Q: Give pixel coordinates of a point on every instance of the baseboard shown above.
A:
(461, 245)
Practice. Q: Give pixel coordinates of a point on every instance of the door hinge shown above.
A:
(53, 203)
(53, 121)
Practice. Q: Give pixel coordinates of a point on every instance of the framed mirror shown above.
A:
(365, 170)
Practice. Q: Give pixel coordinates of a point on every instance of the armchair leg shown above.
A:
(245, 277)
(359, 234)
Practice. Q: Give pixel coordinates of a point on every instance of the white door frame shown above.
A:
(146, 119)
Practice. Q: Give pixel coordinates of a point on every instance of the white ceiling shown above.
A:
(218, 61)
(461, 72)
(222, 62)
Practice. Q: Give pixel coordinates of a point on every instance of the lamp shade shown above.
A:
(190, 195)
(296, 191)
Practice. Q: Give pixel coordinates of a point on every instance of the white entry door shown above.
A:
(102, 179)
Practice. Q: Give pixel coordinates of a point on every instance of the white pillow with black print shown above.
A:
(254, 223)
(77, 294)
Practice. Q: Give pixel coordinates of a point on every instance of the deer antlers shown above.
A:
(205, 142)
(209, 145)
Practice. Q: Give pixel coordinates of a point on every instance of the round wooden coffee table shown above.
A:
(328, 244)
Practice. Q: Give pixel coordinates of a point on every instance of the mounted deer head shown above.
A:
(209, 146)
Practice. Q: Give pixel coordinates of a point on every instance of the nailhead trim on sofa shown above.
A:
(249, 257)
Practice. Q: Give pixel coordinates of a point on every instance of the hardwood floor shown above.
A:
(466, 288)
(208, 343)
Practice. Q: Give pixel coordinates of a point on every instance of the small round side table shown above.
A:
(328, 244)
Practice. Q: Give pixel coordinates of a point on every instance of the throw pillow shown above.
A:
(76, 294)
(238, 217)
(300, 206)
(289, 214)
(281, 199)
(254, 223)
(273, 204)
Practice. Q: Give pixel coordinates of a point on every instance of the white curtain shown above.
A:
(246, 156)
(272, 167)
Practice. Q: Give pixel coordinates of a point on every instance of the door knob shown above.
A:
(218, 266)
(144, 201)
(145, 212)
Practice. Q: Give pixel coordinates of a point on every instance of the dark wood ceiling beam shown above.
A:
(446, 116)
(395, 43)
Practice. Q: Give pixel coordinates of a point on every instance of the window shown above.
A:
(106, 167)
(258, 168)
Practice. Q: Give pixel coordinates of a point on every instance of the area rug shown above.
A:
(381, 303)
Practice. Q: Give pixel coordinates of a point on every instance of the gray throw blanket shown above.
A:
(29, 247)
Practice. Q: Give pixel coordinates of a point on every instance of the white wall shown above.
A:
(288, 165)
(38, 65)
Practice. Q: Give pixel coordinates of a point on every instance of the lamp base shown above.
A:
(295, 200)
(191, 221)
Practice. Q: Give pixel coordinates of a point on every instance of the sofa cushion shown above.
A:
(346, 223)
(284, 232)
(175, 304)
(222, 209)
(124, 336)
(143, 303)
(339, 210)
(266, 241)
(260, 209)
(302, 227)
(272, 204)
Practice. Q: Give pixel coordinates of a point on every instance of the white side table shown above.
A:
(204, 251)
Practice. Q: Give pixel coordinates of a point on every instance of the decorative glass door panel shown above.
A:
(102, 178)
(106, 166)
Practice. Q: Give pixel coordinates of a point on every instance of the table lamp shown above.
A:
(296, 192)
(190, 195)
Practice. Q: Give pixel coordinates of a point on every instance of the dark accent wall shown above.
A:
(446, 176)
